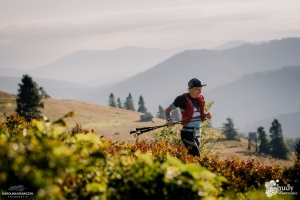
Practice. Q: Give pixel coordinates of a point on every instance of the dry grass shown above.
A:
(112, 123)
(239, 150)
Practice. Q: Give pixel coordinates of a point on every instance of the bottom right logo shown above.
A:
(273, 187)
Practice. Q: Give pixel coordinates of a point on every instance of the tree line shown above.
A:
(272, 144)
(128, 104)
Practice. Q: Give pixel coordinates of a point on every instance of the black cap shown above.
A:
(195, 83)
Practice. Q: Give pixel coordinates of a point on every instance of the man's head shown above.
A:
(195, 87)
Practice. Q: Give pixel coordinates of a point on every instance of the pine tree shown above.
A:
(142, 107)
(176, 115)
(297, 149)
(43, 93)
(229, 130)
(161, 113)
(128, 104)
(111, 101)
(264, 146)
(278, 147)
(29, 99)
(119, 103)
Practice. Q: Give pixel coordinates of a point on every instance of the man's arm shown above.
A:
(170, 121)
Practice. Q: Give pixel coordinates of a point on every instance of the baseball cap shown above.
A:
(195, 83)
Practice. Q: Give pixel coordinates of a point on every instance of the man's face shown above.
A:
(195, 91)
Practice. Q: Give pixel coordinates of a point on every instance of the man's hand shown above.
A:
(208, 115)
(170, 123)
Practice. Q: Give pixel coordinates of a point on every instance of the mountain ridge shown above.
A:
(169, 78)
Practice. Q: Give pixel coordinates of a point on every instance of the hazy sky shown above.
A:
(36, 32)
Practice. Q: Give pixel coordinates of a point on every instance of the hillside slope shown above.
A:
(87, 66)
(257, 96)
(107, 121)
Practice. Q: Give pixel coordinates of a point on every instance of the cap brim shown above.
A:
(203, 85)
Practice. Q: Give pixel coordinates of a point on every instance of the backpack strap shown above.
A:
(201, 107)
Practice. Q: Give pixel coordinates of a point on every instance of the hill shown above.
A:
(230, 44)
(87, 66)
(107, 121)
(169, 78)
(99, 67)
(258, 96)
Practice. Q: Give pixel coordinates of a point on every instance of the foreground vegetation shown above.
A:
(56, 163)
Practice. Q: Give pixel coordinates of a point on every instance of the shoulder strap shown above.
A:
(201, 106)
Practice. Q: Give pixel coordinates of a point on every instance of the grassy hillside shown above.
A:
(107, 121)
(239, 150)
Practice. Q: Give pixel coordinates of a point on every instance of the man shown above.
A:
(191, 105)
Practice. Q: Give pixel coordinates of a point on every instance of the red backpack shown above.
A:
(189, 110)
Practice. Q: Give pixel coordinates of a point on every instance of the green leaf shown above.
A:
(96, 187)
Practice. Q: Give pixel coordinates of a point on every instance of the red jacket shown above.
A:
(189, 110)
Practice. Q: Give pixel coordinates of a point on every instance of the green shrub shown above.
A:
(52, 163)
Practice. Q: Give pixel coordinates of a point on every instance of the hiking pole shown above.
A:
(147, 129)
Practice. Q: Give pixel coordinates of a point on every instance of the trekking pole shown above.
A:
(147, 129)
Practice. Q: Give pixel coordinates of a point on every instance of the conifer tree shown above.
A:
(141, 104)
(229, 130)
(128, 104)
(297, 149)
(176, 115)
(112, 101)
(119, 103)
(278, 147)
(264, 146)
(29, 99)
(161, 113)
(43, 93)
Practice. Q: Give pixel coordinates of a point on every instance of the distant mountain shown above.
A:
(56, 89)
(85, 65)
(230, 44)
(160, 84)
(269, 35)
(261, 95)
(290, 124)
(199, 45)
(11, 72)
(95, 68)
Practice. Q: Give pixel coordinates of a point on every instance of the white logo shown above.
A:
(271, 188)
(274, 188)
(17, 192)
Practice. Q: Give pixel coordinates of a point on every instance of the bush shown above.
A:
(54, 164)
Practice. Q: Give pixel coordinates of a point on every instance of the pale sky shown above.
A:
(37, 32)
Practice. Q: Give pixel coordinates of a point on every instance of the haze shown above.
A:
(34, 32)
